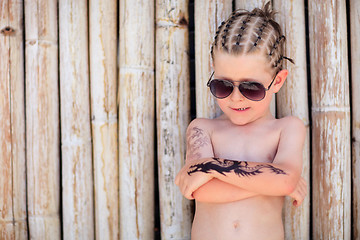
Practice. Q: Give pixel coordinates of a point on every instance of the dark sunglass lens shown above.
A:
(220, 88)
(252, 90)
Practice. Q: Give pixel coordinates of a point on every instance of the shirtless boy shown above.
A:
(240, 165)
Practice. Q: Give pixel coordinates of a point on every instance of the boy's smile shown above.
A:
(240, 68)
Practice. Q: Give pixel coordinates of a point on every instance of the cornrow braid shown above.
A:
(260, 33)
(216, 37)
(241, 32)
(226, 32)
(278, 61)
(255, 31)
(277, 42)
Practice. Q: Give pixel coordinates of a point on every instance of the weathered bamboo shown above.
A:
(77, 182)
(136, 119)
(173, 113)
(7, 229)
(331, 144)
(293, 100)
(208, 16)
(42, 119)
(250, 5)
(13, 223)
(355, 86)
(103, 84)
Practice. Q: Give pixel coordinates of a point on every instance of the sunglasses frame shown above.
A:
(232, 83)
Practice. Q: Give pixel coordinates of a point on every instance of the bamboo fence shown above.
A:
(172, 113)
(96, 98)
(42, 120)
(13, 221)
(136, 119)
(103, 88)
(330, 112)
(76, 147)
(355, 87)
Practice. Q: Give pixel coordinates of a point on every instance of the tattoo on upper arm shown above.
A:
(196, 139)
(240, 168)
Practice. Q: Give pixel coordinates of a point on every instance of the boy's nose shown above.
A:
(236, 95)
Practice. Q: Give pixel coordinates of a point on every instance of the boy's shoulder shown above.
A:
(201, 123)
(291, 124)
(205, 124)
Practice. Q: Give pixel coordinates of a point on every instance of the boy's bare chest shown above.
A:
(253, 145)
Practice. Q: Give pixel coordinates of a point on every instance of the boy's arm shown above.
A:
(216, 191)
(283, 173)
(198, 147)
(300, 192)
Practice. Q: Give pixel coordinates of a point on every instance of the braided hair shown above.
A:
(252, 32)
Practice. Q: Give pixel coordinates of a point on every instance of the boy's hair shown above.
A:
(249, 32)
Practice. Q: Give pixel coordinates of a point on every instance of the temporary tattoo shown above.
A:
(195, 140)
(240, 168)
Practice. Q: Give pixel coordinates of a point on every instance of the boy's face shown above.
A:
(250, 67)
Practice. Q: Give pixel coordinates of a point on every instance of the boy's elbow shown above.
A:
(289, 188)
(290, 180)
(290, 185)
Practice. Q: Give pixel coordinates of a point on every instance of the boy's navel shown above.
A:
(236, 225)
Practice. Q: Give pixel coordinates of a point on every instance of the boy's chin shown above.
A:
(240, 122)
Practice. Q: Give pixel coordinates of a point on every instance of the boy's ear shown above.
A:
(280, 79)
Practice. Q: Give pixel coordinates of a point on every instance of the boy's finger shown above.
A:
(190, 197)
(188, 194)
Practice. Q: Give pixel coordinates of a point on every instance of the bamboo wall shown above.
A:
(96, 96)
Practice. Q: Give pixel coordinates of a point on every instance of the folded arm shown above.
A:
(251, 176)
(283, 173)
(212, 190)
(216, 191)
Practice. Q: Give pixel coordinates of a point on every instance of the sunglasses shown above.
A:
(253, 91)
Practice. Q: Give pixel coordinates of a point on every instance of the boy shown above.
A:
(240, 165)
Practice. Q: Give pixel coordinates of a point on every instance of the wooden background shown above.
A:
(95, 98)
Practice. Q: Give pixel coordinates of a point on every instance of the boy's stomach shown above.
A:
(253, 218)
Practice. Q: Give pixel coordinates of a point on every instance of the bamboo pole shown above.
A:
(136, 119)
(42, 120)
(331, 120)
(7, 229)
(250, 5)
(293, 100)
(13, 223)
(208, 16)
(355, 86)
(173, 113)
(77, 182)
(103, 44)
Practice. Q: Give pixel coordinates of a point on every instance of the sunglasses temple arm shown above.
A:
(267, 89)
(212, 74)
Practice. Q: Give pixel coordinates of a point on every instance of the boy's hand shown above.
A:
(189, 183)
(299, 193)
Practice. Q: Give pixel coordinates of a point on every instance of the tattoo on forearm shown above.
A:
(240, 168)
(195, 140)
